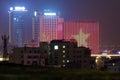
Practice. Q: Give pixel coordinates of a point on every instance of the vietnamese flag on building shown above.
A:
(85, 33)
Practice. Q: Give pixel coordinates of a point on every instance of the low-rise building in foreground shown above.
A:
(59, 53)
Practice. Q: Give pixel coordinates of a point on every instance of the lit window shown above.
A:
(35, 13)
(113, 64)
(63, 65)
(68, 61)
(64, 56)
(63, 61)
(56, 47)
(63, 46)
(63, 51)
(15, 19)
(118, 52)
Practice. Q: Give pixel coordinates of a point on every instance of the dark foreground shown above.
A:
(13, 72)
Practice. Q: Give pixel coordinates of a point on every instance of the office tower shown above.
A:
(17, 25)
(85, 33)
(47, 26)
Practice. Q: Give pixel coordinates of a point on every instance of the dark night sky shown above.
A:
(106, 12)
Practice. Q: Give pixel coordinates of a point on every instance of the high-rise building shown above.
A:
(85, 33)
(47, 26)
(16, 25)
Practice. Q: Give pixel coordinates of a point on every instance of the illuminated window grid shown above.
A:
(50, 25)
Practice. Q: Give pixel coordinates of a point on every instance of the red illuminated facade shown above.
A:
(50, 28)
(85, 33)
(47, 26)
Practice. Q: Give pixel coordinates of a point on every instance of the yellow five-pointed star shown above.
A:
(81, 38)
